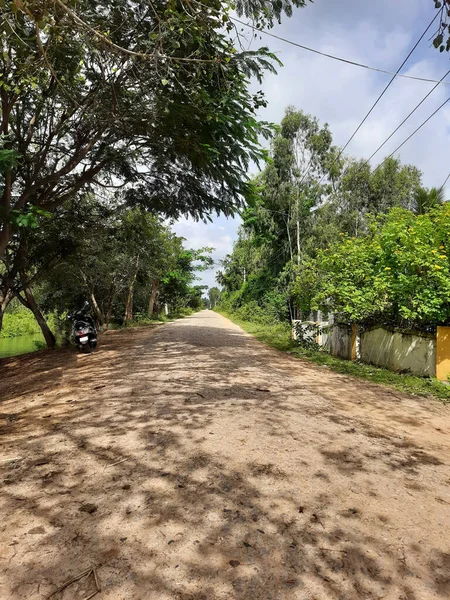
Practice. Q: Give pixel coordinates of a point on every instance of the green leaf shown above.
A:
(438, 40)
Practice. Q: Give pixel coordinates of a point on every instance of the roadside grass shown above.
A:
(21, 322)
(142, 320)
(279, 336)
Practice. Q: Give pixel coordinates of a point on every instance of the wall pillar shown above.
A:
(354, 343)
(443, 353)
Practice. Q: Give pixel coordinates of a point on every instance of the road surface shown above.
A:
(190, 462)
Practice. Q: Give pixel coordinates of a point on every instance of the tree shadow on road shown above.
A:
(117, 468)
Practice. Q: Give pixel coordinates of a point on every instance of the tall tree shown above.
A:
(360, 192)
(214, 296)
(110, 92)
(151, 97)
(309, 196)
(178, 289)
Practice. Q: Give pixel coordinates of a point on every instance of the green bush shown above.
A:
(18, 323)
(255, 313)
(39, 345)
(184, 312)
(140, 320)
(398, 273)
(270, 310)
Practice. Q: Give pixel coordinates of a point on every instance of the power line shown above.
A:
(403, 122)
(275, 211)
(412, 134)
(376, 103)
(380, 96)
(446, 179)
(338, 58)
(385, 89)
(277, 256)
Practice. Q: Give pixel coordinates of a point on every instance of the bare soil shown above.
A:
(190, 462)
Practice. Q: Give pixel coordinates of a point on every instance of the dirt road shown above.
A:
(189, 462)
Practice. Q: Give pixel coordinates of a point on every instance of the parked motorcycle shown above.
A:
(84, 332)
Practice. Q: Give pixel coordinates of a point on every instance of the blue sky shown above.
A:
(380, 34)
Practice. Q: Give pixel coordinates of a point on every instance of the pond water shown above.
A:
(20, 345)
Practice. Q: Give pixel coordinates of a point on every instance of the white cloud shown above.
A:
(378, 33)
(212, 235)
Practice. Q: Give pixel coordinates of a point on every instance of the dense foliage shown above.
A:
(142, 105)
(126, 262)
(398, 273)
(330, 233)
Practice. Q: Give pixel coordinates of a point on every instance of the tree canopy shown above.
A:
(150, 96)
(144, 105)
(334, 234)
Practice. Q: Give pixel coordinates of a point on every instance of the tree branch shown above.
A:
(144, 55)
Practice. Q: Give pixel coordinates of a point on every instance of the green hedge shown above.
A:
(22, 322)
(18, 324)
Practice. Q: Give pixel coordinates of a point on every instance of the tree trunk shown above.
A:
(129, 304)
(31, 303)
(98, 313)
(7, 281)
(5, 233)
(289, 239)
(8, 178)
(112, 295)
(291, 316)
(5, 299)
(151, 304)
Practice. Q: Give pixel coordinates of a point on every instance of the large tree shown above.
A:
(310, 195)
(113, 92)
(213, 296)
(148, 96)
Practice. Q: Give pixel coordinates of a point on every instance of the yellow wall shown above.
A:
(443, 353)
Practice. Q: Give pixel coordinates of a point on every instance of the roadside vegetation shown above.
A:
(333, 234)
(330, 233)
(19, 322)
(118, 118)
(149, 276)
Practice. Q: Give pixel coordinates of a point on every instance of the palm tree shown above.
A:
(428, 199)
